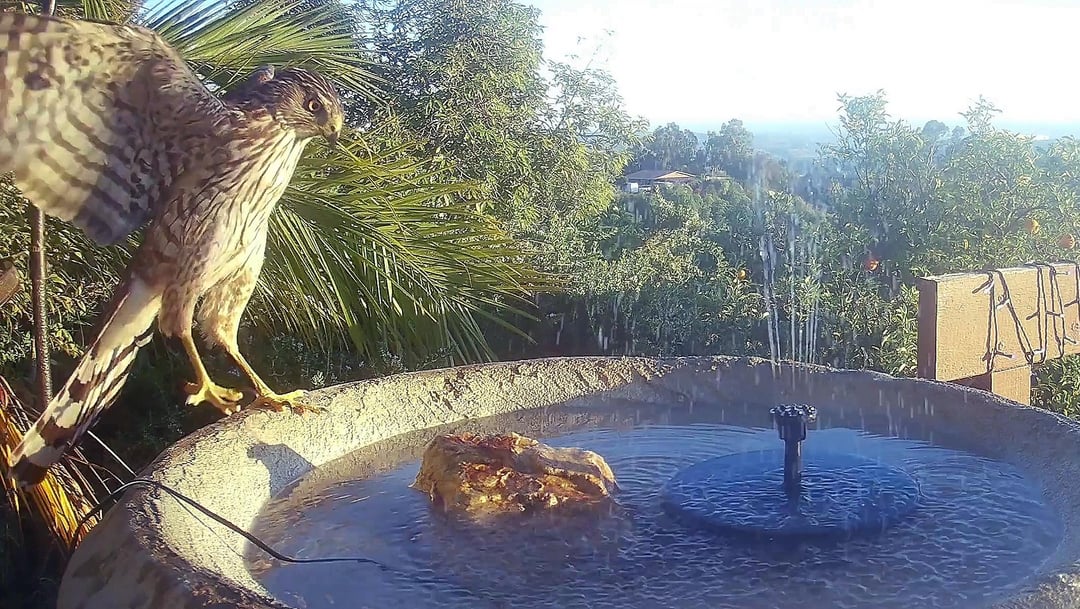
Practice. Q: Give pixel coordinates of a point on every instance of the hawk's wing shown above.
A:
(255, 80)
(96, 120)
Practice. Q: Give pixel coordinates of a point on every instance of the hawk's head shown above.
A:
(302, 99)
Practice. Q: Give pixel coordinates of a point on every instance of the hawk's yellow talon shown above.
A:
(224, 399)
(278, 402)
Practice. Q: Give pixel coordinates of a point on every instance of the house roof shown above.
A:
(657, 174)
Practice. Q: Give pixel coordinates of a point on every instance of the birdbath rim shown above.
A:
(149, 551)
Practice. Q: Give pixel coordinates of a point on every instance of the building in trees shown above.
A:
(648, 178)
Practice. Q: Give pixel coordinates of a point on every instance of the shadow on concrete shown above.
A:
(283, 464)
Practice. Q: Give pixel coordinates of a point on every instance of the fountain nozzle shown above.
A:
(791, 421)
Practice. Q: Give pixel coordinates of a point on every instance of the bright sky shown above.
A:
(701, 62)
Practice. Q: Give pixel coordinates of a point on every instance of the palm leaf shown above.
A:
(225, 44)
(373, 247)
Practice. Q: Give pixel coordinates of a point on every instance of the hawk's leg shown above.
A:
(204, 389)
(219, 316)
(264, 396)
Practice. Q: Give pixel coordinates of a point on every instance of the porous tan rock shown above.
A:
(490, 475)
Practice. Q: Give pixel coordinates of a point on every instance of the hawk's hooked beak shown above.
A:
(335, 131)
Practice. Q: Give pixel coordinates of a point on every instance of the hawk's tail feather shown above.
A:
(95, 383)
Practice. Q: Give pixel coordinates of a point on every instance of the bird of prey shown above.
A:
(107, 127)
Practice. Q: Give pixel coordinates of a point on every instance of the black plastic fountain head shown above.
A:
(791, 421)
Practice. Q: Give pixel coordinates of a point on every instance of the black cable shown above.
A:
(1059, 315)
(1048, 309)
(1042, 305)
(1041, 312)
(1021, 334)
(142, 482)
(1063, 306)
(993, 333)
(1076, 276)
(216, 518)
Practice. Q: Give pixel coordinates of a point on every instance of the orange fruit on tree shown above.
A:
(1067, 241)
(1031, 225)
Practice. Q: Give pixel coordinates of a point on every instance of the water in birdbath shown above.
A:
(963, 530)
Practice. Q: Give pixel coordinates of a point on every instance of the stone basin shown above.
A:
(150, 551)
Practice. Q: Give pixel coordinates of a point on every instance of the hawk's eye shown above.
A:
(313, 106)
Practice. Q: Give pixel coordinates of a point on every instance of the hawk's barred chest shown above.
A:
(228, 210)
(267, 155)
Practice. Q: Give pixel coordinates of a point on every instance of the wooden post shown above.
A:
(986, 329)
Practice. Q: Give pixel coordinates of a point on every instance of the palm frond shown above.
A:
(63, 498)
(370, 246)
(226, 43)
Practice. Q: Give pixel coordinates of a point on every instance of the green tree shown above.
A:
(462, 79)
(659, 273)
(912, 202)
(671, 147)
(934, 130)
(731, 150)
(580, 144)
(465, 80)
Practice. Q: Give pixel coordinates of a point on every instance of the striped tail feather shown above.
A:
(95, 383)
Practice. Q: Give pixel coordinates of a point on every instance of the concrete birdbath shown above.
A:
(902, 493)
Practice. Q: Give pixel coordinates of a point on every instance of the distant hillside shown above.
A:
(801, 141)
(792, 142)
(1050, 131)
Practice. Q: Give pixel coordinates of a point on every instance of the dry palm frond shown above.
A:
(64, 497)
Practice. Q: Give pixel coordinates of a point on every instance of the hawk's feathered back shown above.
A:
(97, 120)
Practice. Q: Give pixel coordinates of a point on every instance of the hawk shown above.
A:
(106, 126)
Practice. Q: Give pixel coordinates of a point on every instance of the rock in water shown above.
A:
(490, 475)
